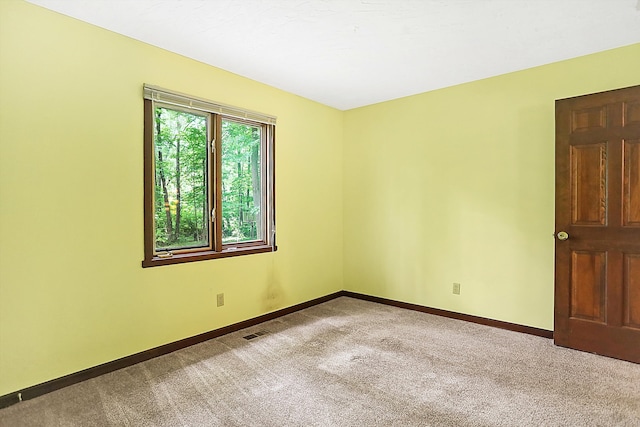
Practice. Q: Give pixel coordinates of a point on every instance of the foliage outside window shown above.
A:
(209, 180)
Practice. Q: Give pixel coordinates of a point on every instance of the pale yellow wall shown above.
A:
(454, 185)
(72, 291)
(457, 185)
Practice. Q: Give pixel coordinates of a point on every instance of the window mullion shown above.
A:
(265, 184)
(271, 192)
(216, 186)
(149, 182)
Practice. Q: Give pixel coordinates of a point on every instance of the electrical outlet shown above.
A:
(220, 300)
(456, 288)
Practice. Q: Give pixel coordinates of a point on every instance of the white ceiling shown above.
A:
(350, 53)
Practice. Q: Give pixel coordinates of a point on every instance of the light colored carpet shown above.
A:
(354, 363)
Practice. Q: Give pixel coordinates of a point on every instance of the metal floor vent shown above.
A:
(255, 335)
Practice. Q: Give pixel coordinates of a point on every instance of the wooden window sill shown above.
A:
(180, 258)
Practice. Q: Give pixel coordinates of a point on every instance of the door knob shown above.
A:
(562, 235)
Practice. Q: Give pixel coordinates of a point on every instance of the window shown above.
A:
(209, 179)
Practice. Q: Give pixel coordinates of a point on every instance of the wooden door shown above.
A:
(597, 270)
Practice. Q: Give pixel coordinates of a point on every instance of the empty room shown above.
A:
(320, 213)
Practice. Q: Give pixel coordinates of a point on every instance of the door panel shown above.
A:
(631, 183)
(589, 183)
(588, 281)
(587, 119)
(632, 291)
(597, 289)
(632, 113)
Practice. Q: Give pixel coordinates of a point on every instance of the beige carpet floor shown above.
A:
(354, 363)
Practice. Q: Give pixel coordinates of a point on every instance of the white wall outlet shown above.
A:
(220, 298)
(456, 288)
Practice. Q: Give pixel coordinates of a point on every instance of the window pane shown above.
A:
(181, 205)
(241, 182)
